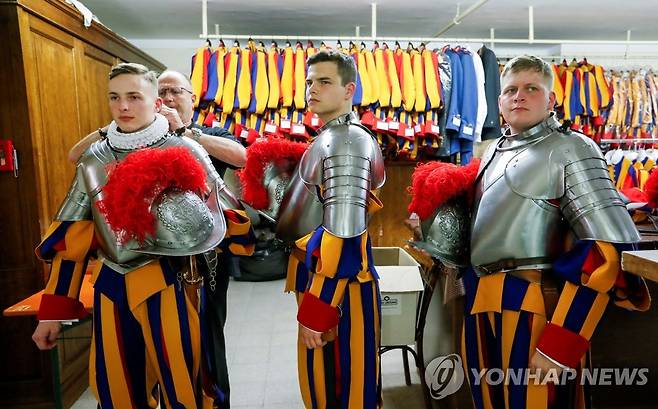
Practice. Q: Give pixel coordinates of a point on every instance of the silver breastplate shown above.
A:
(508, 226)
(512, 231)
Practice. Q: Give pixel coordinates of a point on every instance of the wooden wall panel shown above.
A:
(94, 66)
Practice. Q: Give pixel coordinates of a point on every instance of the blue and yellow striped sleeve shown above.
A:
(67, 246)
(593, 275)
(333, 263)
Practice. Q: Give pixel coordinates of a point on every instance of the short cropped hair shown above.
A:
(345, 64)
(136, 69)
(529, 63)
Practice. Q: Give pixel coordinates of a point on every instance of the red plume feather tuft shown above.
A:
(279, 152)
(435, 183)
(651, 189)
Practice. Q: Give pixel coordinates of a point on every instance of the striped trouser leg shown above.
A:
(345, 373)
(158, 340)
(501, 341)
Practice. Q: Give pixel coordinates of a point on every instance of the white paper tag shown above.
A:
(315, 121)
(244, 133)
(417, 128)
(270, 128)
(456, 121)
(382, 126)
(409, 132)
(436, 129)
(468, 130)
(298, 129)
(285, 123)
(216, 124)
(394, 125)
(391, 304)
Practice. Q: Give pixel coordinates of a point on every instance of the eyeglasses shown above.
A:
(175, 91)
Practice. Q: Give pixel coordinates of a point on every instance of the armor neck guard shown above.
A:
(350, 118)
(530, 136)
(148, 136)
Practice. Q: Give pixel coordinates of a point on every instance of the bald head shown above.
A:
(177, 76)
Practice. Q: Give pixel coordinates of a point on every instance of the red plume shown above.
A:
(138, 180)
(651, 189)
(435, 183)
(279, 152)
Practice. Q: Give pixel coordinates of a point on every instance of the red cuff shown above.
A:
(317, 315)
(562, 345)
(59, 307)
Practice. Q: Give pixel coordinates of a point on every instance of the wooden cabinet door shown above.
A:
(94, 66)
(52, 73)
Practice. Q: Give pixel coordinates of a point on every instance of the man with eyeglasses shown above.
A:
(174, 89)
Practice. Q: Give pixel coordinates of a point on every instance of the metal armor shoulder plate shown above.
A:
(77, 205)
(570, 167)
(342, 140)
(346, 162)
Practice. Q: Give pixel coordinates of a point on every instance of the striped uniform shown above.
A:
(506, 322)
(337, 291)
(146, 330)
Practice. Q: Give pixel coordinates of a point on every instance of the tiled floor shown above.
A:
(261, 333)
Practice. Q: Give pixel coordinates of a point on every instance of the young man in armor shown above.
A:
(150, 207)
(331, 269)
(547, 230)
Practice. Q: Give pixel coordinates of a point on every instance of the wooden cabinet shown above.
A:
(53, 79)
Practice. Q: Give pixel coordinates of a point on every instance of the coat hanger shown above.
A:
(236, 43)
(208, 43)
(339, 44)
(221, 44)
(274, 44)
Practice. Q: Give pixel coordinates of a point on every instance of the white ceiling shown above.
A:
(553, 19)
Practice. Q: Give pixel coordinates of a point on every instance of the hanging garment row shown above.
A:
(421, 103)
(630, 170)
(606, 104)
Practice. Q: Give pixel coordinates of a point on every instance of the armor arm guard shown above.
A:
(345, 161)
(592, 206)
(77, 205)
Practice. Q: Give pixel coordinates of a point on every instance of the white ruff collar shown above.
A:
(140, 139)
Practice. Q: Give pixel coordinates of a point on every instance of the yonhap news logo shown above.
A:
(444, 376)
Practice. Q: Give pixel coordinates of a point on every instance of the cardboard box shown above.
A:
(400, 285)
